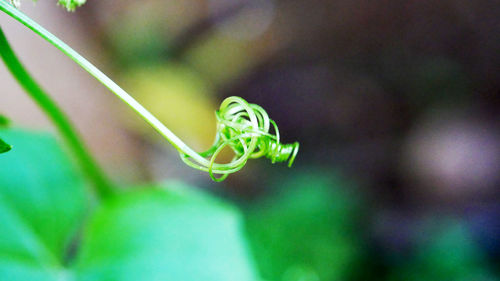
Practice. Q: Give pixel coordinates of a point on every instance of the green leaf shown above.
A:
(150, 233)
(42, 203)
(4, 147)
(445, 250)
(165, 234)
(4, 121)
(307, 230)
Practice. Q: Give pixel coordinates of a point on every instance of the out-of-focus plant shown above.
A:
(4, 147)
(53, 230)
(447, 251)
(308, 230)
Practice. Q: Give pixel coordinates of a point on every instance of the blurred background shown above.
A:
(396, 106)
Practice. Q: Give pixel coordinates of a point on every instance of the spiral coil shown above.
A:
(246, 129)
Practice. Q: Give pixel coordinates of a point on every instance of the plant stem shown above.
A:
(61, 121)
(242, 126)
(105, 80)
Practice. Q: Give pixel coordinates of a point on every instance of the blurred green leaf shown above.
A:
(221, 59)
(135, 41)
(42, 203)
(4, 121)
(446, 252)
(165, 234)
(307, 231)
(4, 147)
(152, 233)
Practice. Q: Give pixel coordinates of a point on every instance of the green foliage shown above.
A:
(164, 234)
(4, 121)
(42, 204)
(151, 233)
(306, 231)
(71, 5)
(446, 252)
(56, 115)
(4, 147)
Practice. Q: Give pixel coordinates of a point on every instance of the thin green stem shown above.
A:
(87, 163)
(101, 77)
(242, 126)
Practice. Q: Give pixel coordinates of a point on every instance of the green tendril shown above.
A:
(243, 127)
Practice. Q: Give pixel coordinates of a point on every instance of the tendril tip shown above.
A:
(247, 129)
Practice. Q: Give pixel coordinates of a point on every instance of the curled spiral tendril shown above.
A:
(246, 129)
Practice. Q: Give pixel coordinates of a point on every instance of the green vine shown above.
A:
(243, 127)
(88, 164)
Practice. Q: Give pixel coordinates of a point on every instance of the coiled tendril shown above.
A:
(245, 128)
